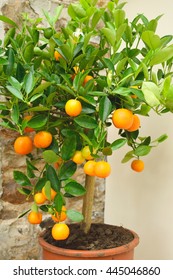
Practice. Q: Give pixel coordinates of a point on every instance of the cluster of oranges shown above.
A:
(24, 145)
(125, 119)
(60, 231)
(100, 169)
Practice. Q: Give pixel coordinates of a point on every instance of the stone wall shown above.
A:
(18, 238)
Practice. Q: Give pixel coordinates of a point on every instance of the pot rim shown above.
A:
(89, 253)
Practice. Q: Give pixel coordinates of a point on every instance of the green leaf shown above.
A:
(50, 156)
(110, 35)
(67, 169)
(28, 52)
(41, 88)
(142, 150)
(162, 55)
(15, 83)
(21, 178)
(30, 169)
(128, 156)
(15, 92)
(118, 144)
(8, 69)
(74, 216)
(151, 40)
(24, 191)
(37, 121)
(74, 188)
(8, 20)
(40, 184)
(161, 138)
(151, 93)
(86, 121)
(29, 82)
(105, 107)
(119, 16)
(47, 188)
(59, 202)
(15, 113)
(53, 178)
(68, 147)
(23, 214)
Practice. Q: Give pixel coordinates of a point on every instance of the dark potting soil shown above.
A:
(101, 236)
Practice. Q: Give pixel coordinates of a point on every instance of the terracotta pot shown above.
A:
(125, 252)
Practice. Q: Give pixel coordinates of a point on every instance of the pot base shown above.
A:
(119, 252)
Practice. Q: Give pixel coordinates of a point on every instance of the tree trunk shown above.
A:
(88, 203)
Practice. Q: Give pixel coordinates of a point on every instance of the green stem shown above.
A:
(88, 203)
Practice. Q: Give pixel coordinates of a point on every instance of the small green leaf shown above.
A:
(59, 202)
(74, 216)
(8, 20)
(37, 121)
(118, 144)
(151, 93)
(15, 92)
(29, 82)
(50, 156)
(67, 169)
(23, 214)
(24, 191)
(68, 147)
(53, 178)
(86, 121)
(47, 189)
(105, 107)
(21, 178)
(128, 156)
(142, 150)
(74, 188)
(152, 40)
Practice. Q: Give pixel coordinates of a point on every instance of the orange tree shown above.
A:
(61, 89)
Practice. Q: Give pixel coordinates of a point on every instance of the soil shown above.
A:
(101, 236)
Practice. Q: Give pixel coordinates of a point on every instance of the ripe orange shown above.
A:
(135, 125)
(52, 193)
(60, 231)
(78, 158)
(60, 217)
(137, 165)
(23, 145)
(42, 139)
(122, 118)
(57, 55)
(73, 107)
(27, 128)
(87, 78)
(86, 153)
(39, 198)
(89, 167)
(102, 169)
(35, 217)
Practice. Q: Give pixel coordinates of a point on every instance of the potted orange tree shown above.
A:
(61, 89)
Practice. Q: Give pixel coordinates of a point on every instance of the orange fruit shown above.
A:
(122, 118)
(135, 125)
(89, 167)
(60, 231)
(86, 153)
(87, 78)
(35, 217)
(57, 55)
(78, 158)
(60, 217)
(52, 193)
(73, 107)
(39, 198)
(27, 128)
(42, 139)
(102, 169)
(23, 145)
(137, 165)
